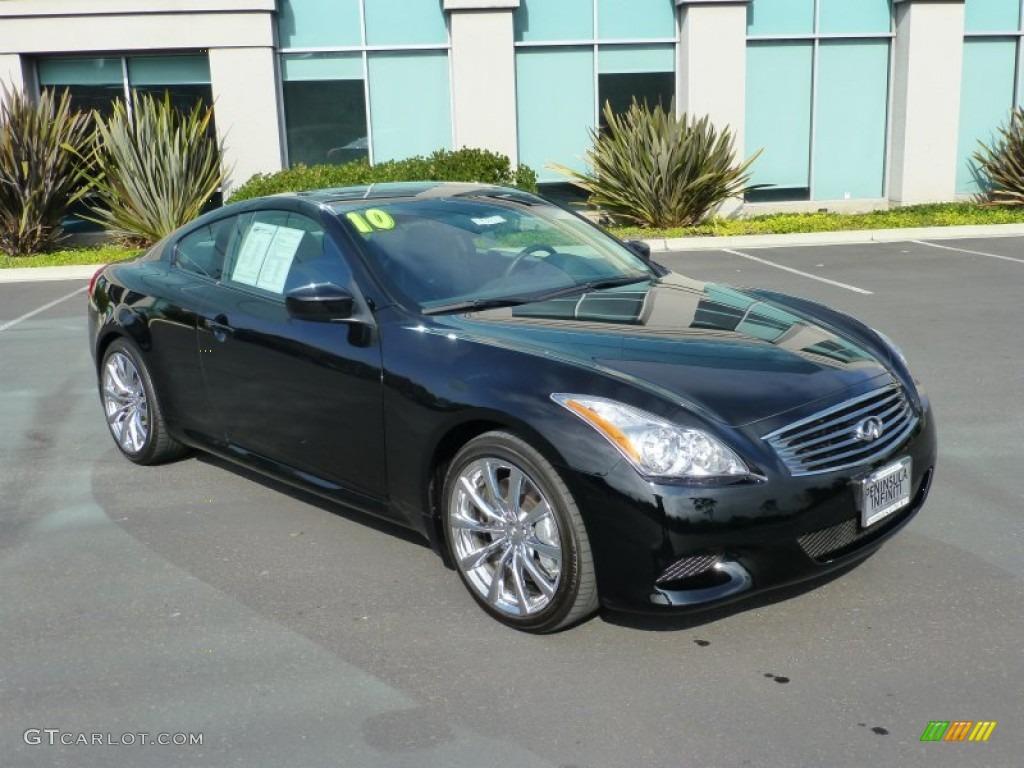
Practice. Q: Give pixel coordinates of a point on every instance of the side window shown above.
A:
(279, 251)
(203, 252)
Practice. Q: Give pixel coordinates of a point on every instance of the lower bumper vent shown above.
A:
(688, 567)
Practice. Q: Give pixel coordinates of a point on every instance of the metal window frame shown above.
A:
(364, 50)
(816, 37)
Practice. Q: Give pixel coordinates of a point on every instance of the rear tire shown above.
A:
(132, 409)
(516, 535)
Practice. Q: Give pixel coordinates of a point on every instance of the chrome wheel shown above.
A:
(505, 537)
(125, 403)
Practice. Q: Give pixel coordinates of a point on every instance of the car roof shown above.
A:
(413, 190)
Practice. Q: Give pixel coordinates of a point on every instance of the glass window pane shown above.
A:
(322, 66)
(319, 23)
(90, 97)
(986, 98)
(849, 143)
(547, 21)
(325, 121)
(555, 101)
(164, 70)
(635, 19)
(106, 71)
(410, 104)
(621, 89)
(780, 17)
(992, 15)
(779, 114)
(854, 17)
(636, 58)
(203, 252)
(405, 22)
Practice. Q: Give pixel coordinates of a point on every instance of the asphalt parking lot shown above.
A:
(195, 598)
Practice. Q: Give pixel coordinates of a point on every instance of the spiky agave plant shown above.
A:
(41, 142)
(652, 168)
(999, 168)
(155, 167)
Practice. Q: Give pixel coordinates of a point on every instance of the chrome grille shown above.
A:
(828, 440)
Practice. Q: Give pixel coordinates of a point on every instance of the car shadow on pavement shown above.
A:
(307, 497)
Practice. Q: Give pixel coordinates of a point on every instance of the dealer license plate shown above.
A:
(884, 492)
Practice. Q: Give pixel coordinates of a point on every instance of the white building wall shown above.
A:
(928, 55)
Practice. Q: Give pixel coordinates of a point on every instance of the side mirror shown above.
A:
(640, 248)
(320, 302)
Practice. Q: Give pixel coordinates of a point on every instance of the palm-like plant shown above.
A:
(654, 169)
(40, 145)
(154, 167)
(999, 168)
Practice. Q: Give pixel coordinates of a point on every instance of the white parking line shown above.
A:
(34, 312)
(853, 288)
(964, 250)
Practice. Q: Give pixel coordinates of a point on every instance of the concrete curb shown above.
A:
(36, 274)
(852, 237)
(663, 245)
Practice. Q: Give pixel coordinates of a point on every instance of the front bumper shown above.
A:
(684, 546)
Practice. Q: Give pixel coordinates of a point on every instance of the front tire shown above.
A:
(516, 535)
(131, 407)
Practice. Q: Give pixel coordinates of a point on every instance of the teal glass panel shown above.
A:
(321, 66)
(779, 113)
(992, 15)
(555, 100)
(850, 123)
(617, 59)
(410, 103)
(405, 22)
(168, 70)
(985, 100)
(780, 17)
(553, 21)
(849, 17)
(635, 19)
(319, 23)
(80, 71)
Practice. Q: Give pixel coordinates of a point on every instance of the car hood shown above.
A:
(725, 351)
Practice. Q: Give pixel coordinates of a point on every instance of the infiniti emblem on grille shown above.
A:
(869, 430)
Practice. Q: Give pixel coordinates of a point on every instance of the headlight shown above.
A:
(654, 446)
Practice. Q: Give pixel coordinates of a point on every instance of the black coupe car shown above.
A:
(569, 424)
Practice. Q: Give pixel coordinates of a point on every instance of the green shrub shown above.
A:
(479, 165)
(999, 169)
(155, 168)
(654, 169)
(40, 146)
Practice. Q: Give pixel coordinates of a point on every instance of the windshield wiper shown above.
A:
(514, 301)
(475, 304)
(592, 285)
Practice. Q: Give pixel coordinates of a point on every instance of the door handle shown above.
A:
(220, 328)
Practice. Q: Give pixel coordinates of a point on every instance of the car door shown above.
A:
(303, 394)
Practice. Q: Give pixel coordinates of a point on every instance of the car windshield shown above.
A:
(450, 253)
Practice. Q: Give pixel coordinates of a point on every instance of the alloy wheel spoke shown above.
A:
(515, 490)
(492, 484)
(519, 582)
(476, 526)
(535, 515)
(541, 579)
(478, 557)
(497, 586)
(479, 500)
(541, 548)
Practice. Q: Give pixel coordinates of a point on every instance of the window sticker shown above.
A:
(490, 221)
(266, 255)
(370, 219)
